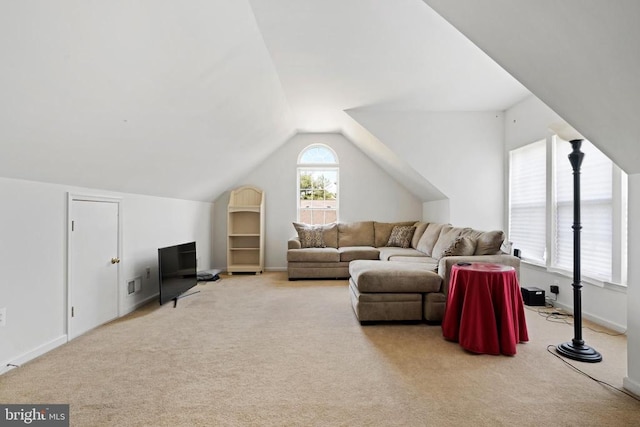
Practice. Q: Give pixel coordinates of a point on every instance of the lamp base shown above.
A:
(581, 353)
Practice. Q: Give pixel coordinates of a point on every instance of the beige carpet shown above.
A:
(263, 351)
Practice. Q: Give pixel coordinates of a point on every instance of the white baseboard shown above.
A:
(224, 269)
(595, 319)
(39, 351)
(631, 385)
(26, 357)
(139, 304)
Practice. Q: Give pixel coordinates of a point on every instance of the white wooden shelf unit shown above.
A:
(245, 231)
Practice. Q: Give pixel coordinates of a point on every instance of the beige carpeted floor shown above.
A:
(262, 351)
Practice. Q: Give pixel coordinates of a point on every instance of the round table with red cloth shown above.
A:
(484, 311)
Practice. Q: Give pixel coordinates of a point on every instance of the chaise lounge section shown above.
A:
(383, 291)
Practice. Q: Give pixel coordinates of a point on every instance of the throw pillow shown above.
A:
(311, 237)
(461, 246)
(329, 232)
(401, 236)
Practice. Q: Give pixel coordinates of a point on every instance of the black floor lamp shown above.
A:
(576, 349)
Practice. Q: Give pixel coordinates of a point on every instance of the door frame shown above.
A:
(71, 197)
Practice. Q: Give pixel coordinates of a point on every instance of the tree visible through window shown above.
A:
(317, 185)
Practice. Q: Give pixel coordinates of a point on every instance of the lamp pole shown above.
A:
(576, 349)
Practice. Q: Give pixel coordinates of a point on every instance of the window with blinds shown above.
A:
(541, 209)
(596, 211)
(527, 201)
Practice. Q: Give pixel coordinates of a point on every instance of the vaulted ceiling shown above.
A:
(182, 98)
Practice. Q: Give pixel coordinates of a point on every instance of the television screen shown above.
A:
(177, 269)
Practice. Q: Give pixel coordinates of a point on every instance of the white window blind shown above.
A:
(596, 211)
(527, 202)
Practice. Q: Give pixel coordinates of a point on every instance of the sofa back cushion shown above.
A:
(330, 235)
(382, 231)
(355, 233)
(429, 238)
(487, 242)
(446, 240)
(461, 246)
(420, 228)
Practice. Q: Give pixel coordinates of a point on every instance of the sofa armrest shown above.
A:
(294, 243)
(445, 264)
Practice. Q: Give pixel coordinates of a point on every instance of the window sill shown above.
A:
(615, 287)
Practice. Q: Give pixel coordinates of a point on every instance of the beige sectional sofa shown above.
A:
(396, 271)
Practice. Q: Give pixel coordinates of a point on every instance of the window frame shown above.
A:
(328, 166)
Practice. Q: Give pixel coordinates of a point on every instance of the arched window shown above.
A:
(317, 185)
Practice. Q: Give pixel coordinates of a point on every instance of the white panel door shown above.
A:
(94, 262)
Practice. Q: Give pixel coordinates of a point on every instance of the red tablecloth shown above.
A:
(484, 311)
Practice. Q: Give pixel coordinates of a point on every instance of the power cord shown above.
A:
(550, 346)
(556, 315)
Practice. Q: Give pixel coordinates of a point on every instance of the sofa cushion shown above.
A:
(448, 235)
(330, 235)
(420, 228)
(377, 276)
(313, 255)
(429, 238)
(401, 236)
(384, 296)
(382, 231)
(350, 253)
(386, 252)
(489, 243)
(433, 263)
(355, 233)
(461, 246)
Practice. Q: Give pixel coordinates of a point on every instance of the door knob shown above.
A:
(115, 260)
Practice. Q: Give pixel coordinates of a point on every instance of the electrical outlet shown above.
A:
(148, 272)
(555, 289)
(3, 316)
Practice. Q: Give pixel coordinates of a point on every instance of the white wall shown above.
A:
(459, 153)
(436, 211)
(366, 193)
(528, 122)
(33, 226)
(632, 382)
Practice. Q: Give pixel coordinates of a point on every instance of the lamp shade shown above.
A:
(565, 131)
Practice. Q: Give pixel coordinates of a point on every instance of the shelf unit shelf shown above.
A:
(245, 231)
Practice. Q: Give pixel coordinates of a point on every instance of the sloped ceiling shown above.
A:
(580, 57)
(182, 99)
(168, 98)
(334, 57)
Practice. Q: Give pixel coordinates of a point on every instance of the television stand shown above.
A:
(175, 300)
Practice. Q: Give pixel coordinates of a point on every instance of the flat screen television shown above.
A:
(177, 271)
